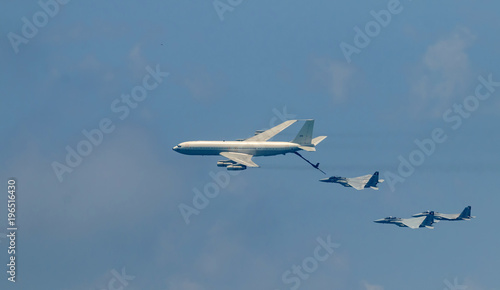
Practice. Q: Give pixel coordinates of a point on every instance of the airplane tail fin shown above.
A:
(304, 137)
(372, 183)
(465, 213)
(429, 220)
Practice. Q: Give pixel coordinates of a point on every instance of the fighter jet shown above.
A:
(239, 153)
(465, 215)
(359, 183)
(413, 223)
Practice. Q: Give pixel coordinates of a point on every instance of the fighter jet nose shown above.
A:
(325, 180)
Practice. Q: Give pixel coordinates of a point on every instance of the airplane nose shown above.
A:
(174, 148)
(325, 180)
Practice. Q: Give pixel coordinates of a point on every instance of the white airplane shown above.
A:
(465, 215)
(239, 153)
(359, 183)
(413, 223)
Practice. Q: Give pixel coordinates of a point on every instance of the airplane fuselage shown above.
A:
(465, 215)
(389, 220)
(395, 221)
(251, 148)
(442, 216)
(448, 217)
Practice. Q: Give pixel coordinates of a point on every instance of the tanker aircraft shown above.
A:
(239, 153)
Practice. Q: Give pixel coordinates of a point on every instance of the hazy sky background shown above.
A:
(229, 75)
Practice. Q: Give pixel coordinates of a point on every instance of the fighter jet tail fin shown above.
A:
(429, 220)
(466, 213)
(372, 182)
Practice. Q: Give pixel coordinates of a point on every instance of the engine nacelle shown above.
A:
(236, 167)
(225, 163)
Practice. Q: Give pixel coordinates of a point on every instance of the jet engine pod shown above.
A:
(225, 163)
(236, 167)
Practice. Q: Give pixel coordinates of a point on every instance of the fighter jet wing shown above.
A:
(345, 184)
(446, 216)
(241, 158)
(413, 223)
(268, 134)
(359, 182)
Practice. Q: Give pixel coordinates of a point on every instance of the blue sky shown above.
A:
(231, 74)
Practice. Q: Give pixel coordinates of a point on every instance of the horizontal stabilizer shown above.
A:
(307, 148)
(317, 140)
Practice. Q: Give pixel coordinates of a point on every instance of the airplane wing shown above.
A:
(359, 182)
(446, 216)
(268, 134)
(413, 223)
(241, 158)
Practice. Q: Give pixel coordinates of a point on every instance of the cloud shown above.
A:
(335, 76)
(443, 73)
(472, 284)
(137, 62)
(107, 186)
(368, 286)
(201, 84)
